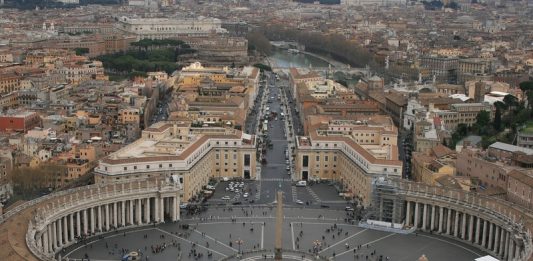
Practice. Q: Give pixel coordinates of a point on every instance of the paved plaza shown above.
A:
(219, 233)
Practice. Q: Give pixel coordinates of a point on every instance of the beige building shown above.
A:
(353, 152)
(129, 115)
(486, 171)
(520, 187)
(194, 155)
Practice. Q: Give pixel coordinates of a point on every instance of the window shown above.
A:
(317, 158)
(170, 165)
(326, 158)
(160, 165)
(125, 168)
(305, 160)
(134, 167)
(147, 166)
(247, 160)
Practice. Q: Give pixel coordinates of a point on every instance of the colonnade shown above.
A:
(68, 228)
(467, 225)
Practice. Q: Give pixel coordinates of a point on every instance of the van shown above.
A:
(301, 183)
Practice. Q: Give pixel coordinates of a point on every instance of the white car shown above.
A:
(225, 178)
(299, 202)
(184, 205)
(225, 198)
(245, 195)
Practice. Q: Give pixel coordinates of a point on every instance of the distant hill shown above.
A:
(31, 4)
(322, 2)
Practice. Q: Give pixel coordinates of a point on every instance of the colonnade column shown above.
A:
(147, 211)
(425, 217)
(92, 220)
(463, 230)
(99, 218)
(50, 238)
(506, 245)
(174, 208)
(417, 214)
(115, 221)
(496, 238)
(433, 213)
(441, 219)
(78, 228)
(107, 217)
(54, 236)
(502, 241)
(456, 224)
(471, 229)
(478, 228)
(138, 211)
(123, 213)
(69, 233)
(85, 223)
(130, 221)
(156, 210)
(485, 228)
(490, 236)
(408, 214)
(449, 222)
(59, 231)
(162, 209)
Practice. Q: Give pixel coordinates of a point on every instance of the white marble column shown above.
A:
(491, 236)
(93, 219)
(50, 238)
(417, 214)
(456, 224)
(54, 235)
(138, 210)
(425, 217)
(449, 222)
(123, 213)
(502, 241)
(156, 210)
(496, 238)
(78, 223)
(174, 209)
(485, 230)
(85, 222)
(506, 245)
(130, 221)
(511, 249)
(433, 214)
(463, 227)
(71, 227)
(60, 232)
(408, 214)
(478, 229)
(100, 218)
(106, 208)
(147, 211)
(162, 209)
(441, 219)
(115, 221)
(471, 229)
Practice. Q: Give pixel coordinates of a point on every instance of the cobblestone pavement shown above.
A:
(219, 233)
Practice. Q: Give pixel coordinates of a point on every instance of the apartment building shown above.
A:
(352, 152)
(194, 155)
(486, 171)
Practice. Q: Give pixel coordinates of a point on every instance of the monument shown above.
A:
(279, 227)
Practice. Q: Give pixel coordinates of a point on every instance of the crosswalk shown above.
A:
(276, 180)
(294, 194)
(258, 193)
(313, 194)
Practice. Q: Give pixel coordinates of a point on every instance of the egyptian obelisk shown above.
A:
(279, 227)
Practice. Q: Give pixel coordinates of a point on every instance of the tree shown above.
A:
(498, 119)
(510, 102)
(527, 88)
(482, 121)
